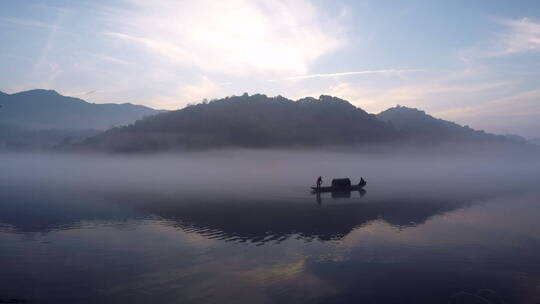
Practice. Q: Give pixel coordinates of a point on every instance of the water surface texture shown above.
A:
(242, 226)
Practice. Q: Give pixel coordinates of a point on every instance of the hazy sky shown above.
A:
(473, 62)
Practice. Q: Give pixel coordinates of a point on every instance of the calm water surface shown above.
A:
(140, 246)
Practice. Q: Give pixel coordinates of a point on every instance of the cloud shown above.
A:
(202, 88)
(517, 113)
(523, 35)
(110, 59)
(466, 100)
(431, 91)
(517, 36)
(517, 105)
(333, 75)
(81, 94)
(232, 37)
(32, 23)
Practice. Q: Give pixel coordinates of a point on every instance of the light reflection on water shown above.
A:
(148, 247)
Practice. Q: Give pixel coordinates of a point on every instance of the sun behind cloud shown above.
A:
(231, 37)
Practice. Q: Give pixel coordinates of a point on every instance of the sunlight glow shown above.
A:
(233, 37)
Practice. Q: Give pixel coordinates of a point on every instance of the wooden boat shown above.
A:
(340, 185)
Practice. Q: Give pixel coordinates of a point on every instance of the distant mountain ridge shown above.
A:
(535, 141)
(46, 109)
(39, 118)
(416, 125)
(44, 118)
(259, 121)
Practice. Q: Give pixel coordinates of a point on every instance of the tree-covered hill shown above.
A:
(255, 121)
(417, 126)
(259, 121)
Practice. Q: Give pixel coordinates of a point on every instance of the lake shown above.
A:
(244, 228)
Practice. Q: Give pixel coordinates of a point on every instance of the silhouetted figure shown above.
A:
(319, 182)
(362, 181)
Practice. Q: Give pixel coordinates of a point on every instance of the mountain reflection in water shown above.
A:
(230, 219)
(277, 221)
(140, 247)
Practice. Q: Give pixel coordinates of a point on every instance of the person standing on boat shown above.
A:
(319, 182)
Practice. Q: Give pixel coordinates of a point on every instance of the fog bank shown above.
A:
(271, 173)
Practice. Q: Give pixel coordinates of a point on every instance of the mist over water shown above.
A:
(231, 225)
(256, 172)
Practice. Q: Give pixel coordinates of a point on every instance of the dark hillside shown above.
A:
(416, 125)
(254, 121)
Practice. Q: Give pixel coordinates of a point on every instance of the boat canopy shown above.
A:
(341, 182)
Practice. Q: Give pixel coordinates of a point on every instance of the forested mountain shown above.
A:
(415, 125)
(41, 118)
(250, 121)
(259, 121)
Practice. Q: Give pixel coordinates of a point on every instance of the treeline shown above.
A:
(259, 121)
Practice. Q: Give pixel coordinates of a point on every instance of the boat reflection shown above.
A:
(337, 194)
